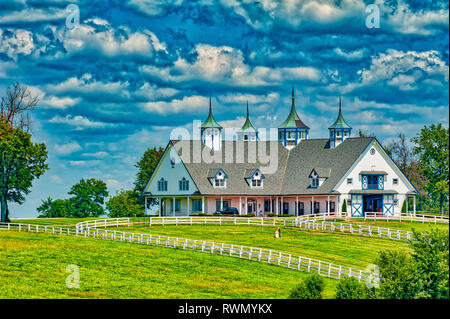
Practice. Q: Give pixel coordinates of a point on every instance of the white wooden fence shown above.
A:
(317, 222)
(269, 256)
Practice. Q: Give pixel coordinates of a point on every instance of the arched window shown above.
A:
(162, 185)
(183, 184)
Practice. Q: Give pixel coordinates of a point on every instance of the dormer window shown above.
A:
(315, 182)
(255, 178)
(219, 179)
(318, 176)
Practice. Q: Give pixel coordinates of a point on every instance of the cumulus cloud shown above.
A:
(16, 42)
(225, 65)
(191, 103)
(65, 149)
(86, 84)
(99, 36)
(79, 122)
(405, 70)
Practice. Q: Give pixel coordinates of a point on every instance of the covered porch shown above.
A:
(246, 205)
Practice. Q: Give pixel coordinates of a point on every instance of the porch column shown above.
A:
(246, 205)
(276, 205)
(173, 206)
(328, 205)
(221, 203)
(145, 205)
(406, 199)
(188, 206)
(240, 205)
(160, 206)
(270, 205)
(296, 206)
(281, 206)
(203, 204)
(414, 205)
(312, 205)
(338, 203)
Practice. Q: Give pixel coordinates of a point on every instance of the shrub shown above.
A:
(404, 207)
(344, 206)
(350, 288)
(310, 288)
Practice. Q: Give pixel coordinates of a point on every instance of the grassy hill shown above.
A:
(33, 266)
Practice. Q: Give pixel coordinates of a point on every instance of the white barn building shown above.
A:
(310, 175)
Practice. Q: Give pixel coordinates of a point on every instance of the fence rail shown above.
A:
(268, 256)
(314, 222)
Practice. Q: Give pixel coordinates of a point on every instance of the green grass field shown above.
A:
(33, 266)
(341, 249)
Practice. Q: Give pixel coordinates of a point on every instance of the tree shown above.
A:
(123, 204)
(21, 162)
(397, 271)
(310, 288)
(344, 206)
(55, 208)
(400, 152)
(431, 257)
(16, 104)
(422, 274)
(404, 207)
(350, 288)
(431, 145)
(88, 197)
(146, 165)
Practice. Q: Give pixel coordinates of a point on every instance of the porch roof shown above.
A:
(373, 173)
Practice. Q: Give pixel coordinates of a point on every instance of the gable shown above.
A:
(374, 160)
(171, 169)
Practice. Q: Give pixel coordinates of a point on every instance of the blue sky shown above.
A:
(134, 70)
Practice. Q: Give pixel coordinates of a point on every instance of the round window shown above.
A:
(372, 151)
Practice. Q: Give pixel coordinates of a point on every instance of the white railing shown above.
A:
(269, 256)
(357, 229)
(409, 217)
(309, 223)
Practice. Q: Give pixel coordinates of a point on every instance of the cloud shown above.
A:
(191, 103)
(85, 163)
(56, 179)
(399, 67)
(351, 56)
(100, 36)
(86, 84)
(65, 149)
(225, 65)
(99, 154)
(16, 42)
(79, 122)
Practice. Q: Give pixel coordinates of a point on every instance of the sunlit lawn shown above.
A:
(341, 249)
(33, 266)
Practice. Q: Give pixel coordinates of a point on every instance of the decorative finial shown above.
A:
(247, 108)
(209, 104)
(339, 104)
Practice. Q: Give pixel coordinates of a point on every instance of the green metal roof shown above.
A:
(293, 120)
(210, 121)
(340, 122)
(248, 126)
